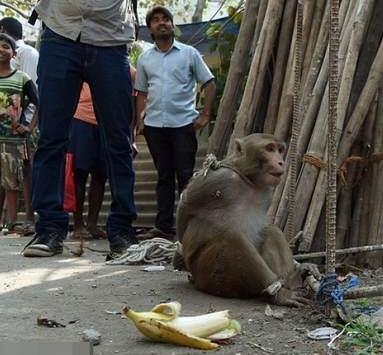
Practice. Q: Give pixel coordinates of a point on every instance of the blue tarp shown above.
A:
(194, 33)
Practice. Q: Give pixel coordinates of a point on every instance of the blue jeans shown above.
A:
(63, 66)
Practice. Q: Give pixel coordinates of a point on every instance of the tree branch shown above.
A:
(14, 8)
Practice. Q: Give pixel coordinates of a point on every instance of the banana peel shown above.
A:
(164, 324)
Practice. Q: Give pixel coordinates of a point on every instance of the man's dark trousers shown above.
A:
(63, 66)
(173, 151)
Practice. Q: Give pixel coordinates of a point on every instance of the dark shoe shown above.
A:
(156, 233)
(119, 243)
(44, 245)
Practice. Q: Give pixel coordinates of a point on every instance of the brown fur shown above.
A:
(229, 246)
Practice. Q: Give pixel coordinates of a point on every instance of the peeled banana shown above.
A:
(164, 324)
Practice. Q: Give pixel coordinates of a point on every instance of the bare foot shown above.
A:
(81, 233)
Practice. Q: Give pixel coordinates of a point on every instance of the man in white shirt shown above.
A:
(26, 61)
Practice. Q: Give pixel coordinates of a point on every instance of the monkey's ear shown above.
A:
(239, 147)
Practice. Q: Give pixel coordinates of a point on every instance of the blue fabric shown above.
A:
(170, 79)
(63, 66)
(87, 148)
(331, 290)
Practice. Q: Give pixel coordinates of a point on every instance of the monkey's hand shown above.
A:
(308, 268)
(286, 297)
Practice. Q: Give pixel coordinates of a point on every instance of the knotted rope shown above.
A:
(212, 163)
(343, 168)
(147, 252)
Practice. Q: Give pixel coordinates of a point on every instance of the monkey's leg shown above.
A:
(223, 262)
(276, 251)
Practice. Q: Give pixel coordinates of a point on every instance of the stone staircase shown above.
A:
(144, 191)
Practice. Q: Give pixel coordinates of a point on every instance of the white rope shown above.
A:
(147, 252)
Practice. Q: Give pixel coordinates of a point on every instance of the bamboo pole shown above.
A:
(358, 25)
(346, 251)
(258, 26)
(360, 112)
(319, 12)
(319, 101)
(344, 209)
(376, 192)
(286, 32)
(367, 55)
(261, 58)
(238, 68)
(367, 139)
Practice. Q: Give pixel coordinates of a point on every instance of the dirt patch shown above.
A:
(84, 293)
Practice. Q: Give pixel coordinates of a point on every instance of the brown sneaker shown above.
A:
(156, 233)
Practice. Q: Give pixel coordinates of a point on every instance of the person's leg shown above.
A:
(11, 196)
(184, 150)
(28, 226)
(109, 80)
(160, 147)
(96, 196)
(80, 178)
(2, 202)
(60, 76)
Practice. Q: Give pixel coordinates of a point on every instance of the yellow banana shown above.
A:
(163, 324)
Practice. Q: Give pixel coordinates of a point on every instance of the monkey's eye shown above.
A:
(270, 148)
(281, 150)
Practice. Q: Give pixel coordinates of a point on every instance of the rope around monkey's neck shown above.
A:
(212, 163)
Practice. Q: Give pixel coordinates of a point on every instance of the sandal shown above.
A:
(12, 228)
(28, 228)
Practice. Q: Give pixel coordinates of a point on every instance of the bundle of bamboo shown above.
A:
(267, 105)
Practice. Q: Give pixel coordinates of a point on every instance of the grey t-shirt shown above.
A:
(103, 23)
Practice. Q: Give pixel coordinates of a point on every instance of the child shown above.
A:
(89, 158)
(16, 91)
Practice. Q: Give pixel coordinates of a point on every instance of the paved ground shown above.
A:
(78, 292)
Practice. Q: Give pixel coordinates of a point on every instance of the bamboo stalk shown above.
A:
(319, 11)
(367, 139)
(287, 29)
(368, 53)
(354, 250)
(219, 139)
(258, 26)
(358, 24)
(376, 192)
(319, 100)
(345, 209)
(261, 58)
(284, 120)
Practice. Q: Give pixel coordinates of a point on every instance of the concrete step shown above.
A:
(143, 220)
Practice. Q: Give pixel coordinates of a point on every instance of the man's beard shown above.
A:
(164, 36)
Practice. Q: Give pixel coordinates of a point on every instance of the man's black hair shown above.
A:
(7, 38)
(12, 27)
(155, 10)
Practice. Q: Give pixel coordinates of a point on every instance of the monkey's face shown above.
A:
(272, 164)
(261, 159)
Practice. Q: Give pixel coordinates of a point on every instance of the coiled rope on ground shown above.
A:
(147, 252)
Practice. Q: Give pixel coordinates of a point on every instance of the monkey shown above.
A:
(228, 244)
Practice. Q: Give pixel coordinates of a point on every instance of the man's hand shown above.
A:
(139, 127)
(202, 120)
